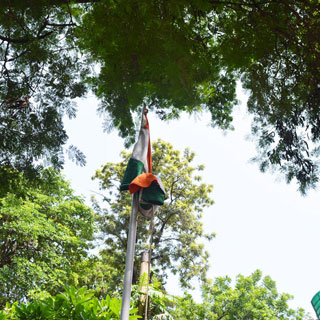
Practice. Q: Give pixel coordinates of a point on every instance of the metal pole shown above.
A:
(127, 282)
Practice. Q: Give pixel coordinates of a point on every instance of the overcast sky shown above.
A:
(260, 221)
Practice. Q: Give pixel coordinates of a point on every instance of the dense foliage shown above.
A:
(71, 304)
(45, 230)
(39, 77)
(99, 273)
(175, 56)
(252, 297)
(161, 53)
(178, 231)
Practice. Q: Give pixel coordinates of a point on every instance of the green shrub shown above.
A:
(73, 304)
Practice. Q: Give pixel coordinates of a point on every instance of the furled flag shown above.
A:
(138, 176)
(316, 303)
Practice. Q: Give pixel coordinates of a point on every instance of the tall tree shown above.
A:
(251, 297)
(175, 56)
(178, 230)
(45, 230)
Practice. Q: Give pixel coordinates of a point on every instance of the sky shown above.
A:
(260, 221)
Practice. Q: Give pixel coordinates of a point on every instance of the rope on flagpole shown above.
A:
(151, 227)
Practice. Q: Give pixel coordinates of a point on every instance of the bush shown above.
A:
(73, 304)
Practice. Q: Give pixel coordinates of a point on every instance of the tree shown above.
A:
(39, 77)
(177, 226)
(160, 53)
(98, 273)
(271, 46)
(279, 68)
(174, 56)
(252, 297)
(44, 231)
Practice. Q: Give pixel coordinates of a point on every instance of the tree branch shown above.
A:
(61, 25)
(242, 4)
(15, 3)
(17, 56)
(222, 316)
(57, 2)
(25, 40)
(162, 228)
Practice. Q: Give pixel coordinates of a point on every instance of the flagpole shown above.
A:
(127, 282)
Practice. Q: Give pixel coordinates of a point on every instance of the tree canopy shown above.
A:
(45, 230)
(174, 56)
(178, 231)
(39, 77)
(252, 297)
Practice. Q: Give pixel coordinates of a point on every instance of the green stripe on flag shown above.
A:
(153, 194)
(145, 206)
(134, 168)
(316, 303)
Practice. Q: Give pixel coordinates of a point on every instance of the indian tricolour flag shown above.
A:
(138, 176)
